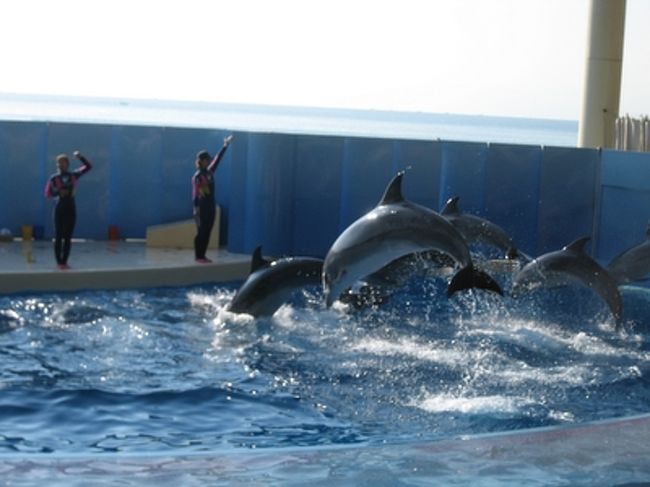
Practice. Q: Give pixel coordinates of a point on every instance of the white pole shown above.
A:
(602, 85)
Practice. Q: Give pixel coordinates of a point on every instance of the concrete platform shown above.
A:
(30, 266)
(605, 453)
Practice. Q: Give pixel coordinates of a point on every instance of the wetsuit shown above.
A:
(204, 204)
(62, 186)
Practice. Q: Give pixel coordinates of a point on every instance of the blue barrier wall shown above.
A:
(624, 201)
(294, 194)
(512, 192)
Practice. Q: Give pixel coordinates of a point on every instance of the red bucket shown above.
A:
(113, 232)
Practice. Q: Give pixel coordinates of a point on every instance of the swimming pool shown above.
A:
(169, 371)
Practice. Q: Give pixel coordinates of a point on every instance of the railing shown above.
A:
(633, 134)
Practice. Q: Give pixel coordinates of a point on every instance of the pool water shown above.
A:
(170, 370)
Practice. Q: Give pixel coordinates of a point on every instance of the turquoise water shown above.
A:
(170, 371)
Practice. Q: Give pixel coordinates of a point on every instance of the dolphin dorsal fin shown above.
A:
(647, 231)
(451, 207)
(393, 193)
(257, 261)
(578, 245)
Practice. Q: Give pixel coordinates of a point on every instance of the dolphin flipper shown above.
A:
(470, 277)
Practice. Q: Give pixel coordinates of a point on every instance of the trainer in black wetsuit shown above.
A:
(62, 186)
(203, 198)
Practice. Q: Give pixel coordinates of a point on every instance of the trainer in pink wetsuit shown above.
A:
(61, 186)
(203, 198)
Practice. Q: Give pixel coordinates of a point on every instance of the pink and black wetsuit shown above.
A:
(62, 186)
(204, 203)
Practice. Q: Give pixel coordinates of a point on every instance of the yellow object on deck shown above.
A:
(27, 232)
(180, 235)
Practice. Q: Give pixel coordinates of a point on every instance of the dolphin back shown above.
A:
(572, 264)
(632, 264)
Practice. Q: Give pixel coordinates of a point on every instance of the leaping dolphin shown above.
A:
(395, 228)
(570, 264)
(479, 230)
(270, 284)
(632, 264)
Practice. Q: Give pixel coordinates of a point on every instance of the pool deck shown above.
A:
(607, 453)
(30, 266)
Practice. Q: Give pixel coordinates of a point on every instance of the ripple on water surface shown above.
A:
(171, 369)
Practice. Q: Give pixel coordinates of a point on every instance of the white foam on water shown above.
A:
(431, 351)
(212, 302)
(439, 403)
(570, 375)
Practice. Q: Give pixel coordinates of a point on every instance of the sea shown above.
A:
(290, 119)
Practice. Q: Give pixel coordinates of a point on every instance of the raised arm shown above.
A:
(85, 164)
(217, 159)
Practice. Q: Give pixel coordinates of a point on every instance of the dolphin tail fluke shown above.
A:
(470, 277)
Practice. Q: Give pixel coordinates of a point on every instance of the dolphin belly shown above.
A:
(393, 229)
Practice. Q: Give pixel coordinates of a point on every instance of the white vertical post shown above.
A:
(602, 82)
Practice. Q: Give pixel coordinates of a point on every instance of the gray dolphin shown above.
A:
(270, 284)
(570, 264)
(632, 264)
(395, 228)
(479, 230)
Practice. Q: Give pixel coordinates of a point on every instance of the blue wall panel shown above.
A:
(224, 176)
(422, 161)
(512, 191)
(235, 174)
(629, 170)
(317, 194)
(567, 196)
(94, 141)
(136, 179)
(367, 169)
(23, 174)
(269, 193)
(624, 218)
(463, 175)
(624, 202)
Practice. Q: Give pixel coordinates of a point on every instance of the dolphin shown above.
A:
(632, 264)
(395, 228)
(479, 230)
(271, 283)
(570, 264)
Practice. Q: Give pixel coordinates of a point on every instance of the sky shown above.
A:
(487, 57)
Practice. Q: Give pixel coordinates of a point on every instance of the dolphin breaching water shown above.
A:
(270, 284)
(633, 264)
(395, 228)
(479, 230)
(570, 264)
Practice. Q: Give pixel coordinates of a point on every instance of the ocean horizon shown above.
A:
(290, 119)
